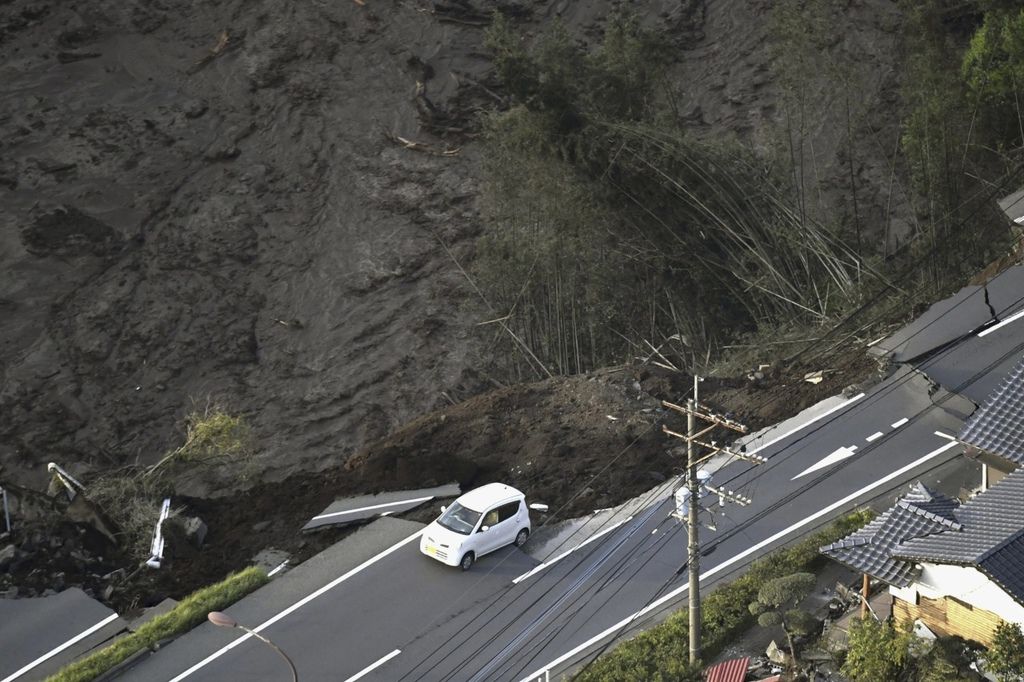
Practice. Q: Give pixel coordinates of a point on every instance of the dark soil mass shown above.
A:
(269, 206)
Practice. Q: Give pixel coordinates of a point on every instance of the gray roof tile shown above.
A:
(987, 521)
(998, 426)
(919, 513)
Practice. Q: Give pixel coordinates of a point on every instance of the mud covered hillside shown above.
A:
(268, 205)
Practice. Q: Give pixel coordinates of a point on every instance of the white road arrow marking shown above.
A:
(837, 456)
(620, 627)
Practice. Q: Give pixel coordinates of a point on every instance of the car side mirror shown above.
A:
(443, 509)
(484, 529)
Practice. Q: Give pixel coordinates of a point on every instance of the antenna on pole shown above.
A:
(698, 484)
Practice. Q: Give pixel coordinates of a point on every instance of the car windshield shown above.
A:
(459, 519)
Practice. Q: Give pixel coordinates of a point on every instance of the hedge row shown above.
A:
(661, 653)
(190, 612)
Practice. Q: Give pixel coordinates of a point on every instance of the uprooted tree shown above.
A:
(610, 225)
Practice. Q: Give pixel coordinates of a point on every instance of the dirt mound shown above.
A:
(578, 443)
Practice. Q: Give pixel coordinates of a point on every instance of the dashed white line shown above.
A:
(374, 506)
(297, 605)
(900, 423)
(541, 567)
(53, 652)
(1012, 318)
(947, 436)
(739, 557)
(369, 669)
(874, 436)
(806, 424)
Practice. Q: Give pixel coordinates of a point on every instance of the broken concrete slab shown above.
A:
(950, 319)
(42, 635)
(353, 509)
(1013, 206)
(152, 612)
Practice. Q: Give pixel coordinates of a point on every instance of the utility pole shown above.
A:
(696, 485)
(692, 523)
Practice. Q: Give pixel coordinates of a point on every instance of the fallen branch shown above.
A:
(223, 42)
(422, 146)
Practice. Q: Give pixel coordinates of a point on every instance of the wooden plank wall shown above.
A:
(949, 616)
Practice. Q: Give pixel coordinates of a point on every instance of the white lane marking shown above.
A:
(297, 605)
(830, 459)
(375, 506)
(805, 425)
(541, 567)
(370, 669)
(940, 434)
(900, 423)
(1012, 318)
(874, 436)
(53, 652)
(739, 557)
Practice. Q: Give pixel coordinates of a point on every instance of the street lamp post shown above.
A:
(223, 620)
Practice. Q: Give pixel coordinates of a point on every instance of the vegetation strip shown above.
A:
(188, 614)
(662, 652)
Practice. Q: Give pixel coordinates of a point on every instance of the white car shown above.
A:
(479, 522)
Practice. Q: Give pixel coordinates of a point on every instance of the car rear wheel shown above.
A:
(467, 561)
(521, 537)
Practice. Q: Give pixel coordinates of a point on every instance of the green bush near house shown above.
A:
(660, 654)
(186, 615)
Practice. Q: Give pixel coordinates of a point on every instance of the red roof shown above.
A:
(728, 671)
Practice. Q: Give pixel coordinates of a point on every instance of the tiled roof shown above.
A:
(998, 426)
(919, 513)
(991, 536)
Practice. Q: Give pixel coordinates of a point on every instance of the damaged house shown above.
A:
(957, 569)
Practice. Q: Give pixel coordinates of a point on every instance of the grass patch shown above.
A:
(186, 615)
(661, 652)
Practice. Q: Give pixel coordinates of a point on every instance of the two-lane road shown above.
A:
(405, 617)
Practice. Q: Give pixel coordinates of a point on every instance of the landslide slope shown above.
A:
(208, 201)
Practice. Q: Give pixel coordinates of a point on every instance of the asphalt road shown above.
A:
(374, 609)
(480, 625)
(38, 636)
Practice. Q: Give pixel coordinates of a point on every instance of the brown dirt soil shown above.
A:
(553, 439)
(206, 201)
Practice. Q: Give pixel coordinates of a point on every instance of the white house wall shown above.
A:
(966, 584)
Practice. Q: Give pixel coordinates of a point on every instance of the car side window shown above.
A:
(507, 511)
(490, 518)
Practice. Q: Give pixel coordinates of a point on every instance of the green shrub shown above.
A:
(878, 651)
(189, 613)
(661, 653)
(1006, 655)
(993, 65)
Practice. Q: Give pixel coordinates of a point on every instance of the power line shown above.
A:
(810, 484)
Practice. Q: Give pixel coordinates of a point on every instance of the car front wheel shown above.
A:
(467, 561)
(521, 537)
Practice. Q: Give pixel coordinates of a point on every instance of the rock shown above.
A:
(84, 511)
(7, 555)
(115, 576)
(775, 654)
(108, 592)
(10, 593)
(260, 526)
(195, 531)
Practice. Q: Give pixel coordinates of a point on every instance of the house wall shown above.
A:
(956, 600)
(948, 616)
